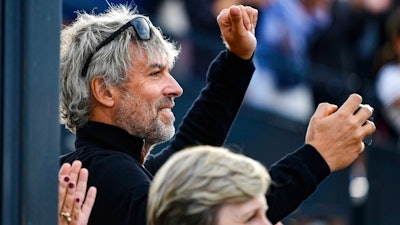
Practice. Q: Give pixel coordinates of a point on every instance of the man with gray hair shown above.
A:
(117, 95)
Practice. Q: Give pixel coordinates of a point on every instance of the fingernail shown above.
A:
(78, 200)
(66, 179)
(71, 185)
(235, 11)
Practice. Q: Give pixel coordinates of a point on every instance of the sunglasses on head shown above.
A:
(140, 25)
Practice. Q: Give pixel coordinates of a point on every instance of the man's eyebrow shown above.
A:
(157, 65)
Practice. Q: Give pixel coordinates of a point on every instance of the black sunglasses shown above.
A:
(140, 25)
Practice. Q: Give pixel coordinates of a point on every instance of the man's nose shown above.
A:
(173, 89)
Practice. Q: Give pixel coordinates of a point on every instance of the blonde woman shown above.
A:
(209, 186)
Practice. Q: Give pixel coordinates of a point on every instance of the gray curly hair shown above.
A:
(111, 62)
(194, 183)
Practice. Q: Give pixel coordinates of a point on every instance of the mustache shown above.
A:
(166, 102)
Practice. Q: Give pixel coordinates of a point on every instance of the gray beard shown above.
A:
(160, 133)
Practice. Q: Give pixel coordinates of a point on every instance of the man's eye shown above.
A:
(155, 73)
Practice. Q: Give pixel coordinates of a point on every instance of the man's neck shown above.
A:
(145, 151)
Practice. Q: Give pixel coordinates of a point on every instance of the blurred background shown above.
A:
(309, 51)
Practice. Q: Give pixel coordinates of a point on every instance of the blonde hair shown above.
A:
(194, 183)
(111, 62)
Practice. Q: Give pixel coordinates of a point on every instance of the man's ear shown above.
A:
(102, 93)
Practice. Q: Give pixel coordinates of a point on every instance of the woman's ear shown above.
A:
(102, 93)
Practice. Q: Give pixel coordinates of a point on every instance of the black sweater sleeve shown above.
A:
(295, 177)
(211, 116)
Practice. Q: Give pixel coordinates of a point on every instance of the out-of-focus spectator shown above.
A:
(285, 31)
(341, 55)
(388, 77)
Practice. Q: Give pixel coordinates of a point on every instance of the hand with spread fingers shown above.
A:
(73, 207)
